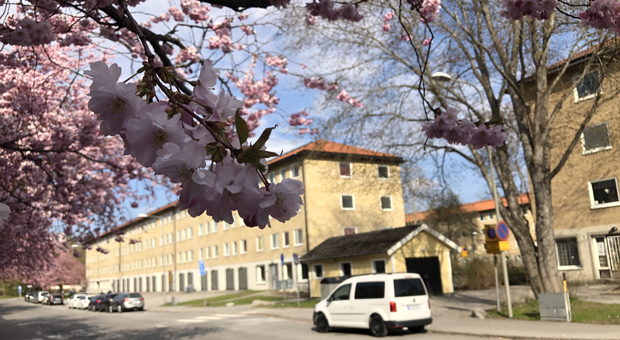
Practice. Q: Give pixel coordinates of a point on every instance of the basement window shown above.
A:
(604, 193)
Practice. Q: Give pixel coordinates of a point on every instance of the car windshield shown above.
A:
(408, 287)
(134, 295)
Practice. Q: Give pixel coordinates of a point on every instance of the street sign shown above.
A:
(490, 234)
(502, 231)
(282, 258)
(497, 247)
(19, 289)
(464, 252)
(296, 258)
(201, 266)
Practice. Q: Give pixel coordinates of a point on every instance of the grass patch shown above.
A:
(245, 301)
(8, 297)
(582, 311)
(293, 304)
(212, 300)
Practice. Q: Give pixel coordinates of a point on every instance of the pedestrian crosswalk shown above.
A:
(212, 317)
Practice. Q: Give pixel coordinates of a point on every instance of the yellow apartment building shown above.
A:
(585, 198)
(348, 190)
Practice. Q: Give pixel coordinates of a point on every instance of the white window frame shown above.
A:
(207, 252)
(226, 226)
(293, 172)
(344, 230)
(243, 245)
(341, 203)
(214, 229)
(314, 276)
(235, 248)
(276, 244)
(372, 265)
(226, 249)
(263, 269)
(604, 205)
(595, 150)
(340, 271)
(190, 233)
(388, 171)
(350, 170)
(216, 251)
(381, 205)
(201, 230)
(296, 242)
(201, 254)
(557, 255)
(257, 243)
(190, 256)
(590, 96)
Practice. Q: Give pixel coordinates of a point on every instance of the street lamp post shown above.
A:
(163, 246)
(444, 77)
(473, 244)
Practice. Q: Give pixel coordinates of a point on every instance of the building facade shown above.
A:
(585, 198)
(347, 190)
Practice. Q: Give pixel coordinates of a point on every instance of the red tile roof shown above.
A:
(590, 50)
(334, 148)
(485, 205)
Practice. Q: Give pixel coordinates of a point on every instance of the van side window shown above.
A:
(370, 290)
(408, 287)
(342, 293)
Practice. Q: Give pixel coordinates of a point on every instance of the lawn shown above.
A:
(582, 311)
(7, 297)
(212, 300)
(246, 301)
(302, 304)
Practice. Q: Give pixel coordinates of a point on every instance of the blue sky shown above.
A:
(467, 184)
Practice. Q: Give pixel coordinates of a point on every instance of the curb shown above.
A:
(515, 337)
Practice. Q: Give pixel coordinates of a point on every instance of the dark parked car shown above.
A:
(106, 302)
(95, 301)
(127, 301)
(56, 299)
(30, 296)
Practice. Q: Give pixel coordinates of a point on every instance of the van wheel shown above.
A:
(321, 323)
(377, 326)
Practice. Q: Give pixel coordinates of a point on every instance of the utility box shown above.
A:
(554, 307)
(328, 284)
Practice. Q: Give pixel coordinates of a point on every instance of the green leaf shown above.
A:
(263, 137)
(242, 128)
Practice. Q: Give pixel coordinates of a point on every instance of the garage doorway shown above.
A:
(214, 285)
(230, 279)
(429, 270)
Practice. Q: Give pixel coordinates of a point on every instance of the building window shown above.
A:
(595, 138)
(347, 202)
(201, 230)
(378, 266)
(604, 193)
(272, 178)
(282, 174)
(384, 171)
(201, 254)
(286, 239)
(481, 217)
(295, 170)
(386, 202)
(299, 237)
(226, 249)
(345, 269)
(275, 241)
(588, 86)
(234, 248)
(215, 251)
(345, 169)
(190, 232)
(350, 230)
(226, 225)
(190, 256)
(260, 244)
(260, 274)
(214, 226)
(491, 215)
(568, 253)
(244, 246)
(317, 269)
(208, 252)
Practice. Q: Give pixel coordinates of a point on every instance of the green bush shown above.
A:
(475, 273)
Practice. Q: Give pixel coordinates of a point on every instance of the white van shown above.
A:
(379, 302)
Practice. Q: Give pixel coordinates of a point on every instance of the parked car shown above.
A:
(95, 301)
(56, 299)
(73, 301)
(382, 302)
(45, 299)
(83, 302)
(29, 297)
(40, 296)
(106, 302)
(127, 301)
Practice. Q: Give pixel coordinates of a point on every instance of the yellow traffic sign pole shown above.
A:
(502, 254)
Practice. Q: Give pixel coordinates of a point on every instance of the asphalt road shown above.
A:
(20, 320)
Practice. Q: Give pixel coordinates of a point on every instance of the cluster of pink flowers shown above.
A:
(221, 39)
(310, 131)
(313, 83)
(325, 9)
(537, 9)
(162, 17)
(602, 14)
(386, 27)
(463, 131)
(177, 147)
(195, 10)
(345, 97)
(311, 20)
(427, 41)
(242, 16)
(388, 16)
(188, 54)
(276, 61)
(297, 119)
(28, 32)
(428, 8)
(247, 30)
(176, 14)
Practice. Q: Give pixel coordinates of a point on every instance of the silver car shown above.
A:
(127, 301)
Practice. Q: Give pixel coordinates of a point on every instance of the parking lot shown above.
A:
(20, 320)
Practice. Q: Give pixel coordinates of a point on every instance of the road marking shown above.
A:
(229, 315)
(189, 320)
(209, 318)
(160, 326)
